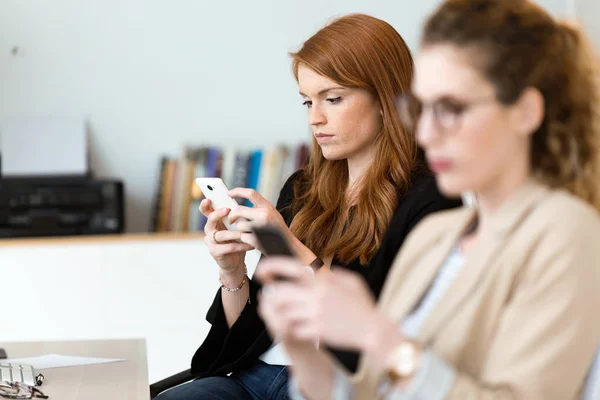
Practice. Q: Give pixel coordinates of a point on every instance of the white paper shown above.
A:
(60, 361)
(42, 146)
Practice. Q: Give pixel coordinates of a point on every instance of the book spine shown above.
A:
(158, 194)
(240, 171)
(213, 170)
(200, 158)
(254, 172)
(167, 191)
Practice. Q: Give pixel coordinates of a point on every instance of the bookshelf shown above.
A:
(177, 197)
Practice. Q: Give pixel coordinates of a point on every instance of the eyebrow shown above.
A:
(442, 97)
(322, 91)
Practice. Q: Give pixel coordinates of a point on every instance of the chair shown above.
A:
(170, 382)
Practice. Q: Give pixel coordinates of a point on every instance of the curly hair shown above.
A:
(522, 46)
(357, 51)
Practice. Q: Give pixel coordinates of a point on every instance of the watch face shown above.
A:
(403, 361)
(405, 367)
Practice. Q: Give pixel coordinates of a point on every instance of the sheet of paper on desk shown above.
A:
(59, 361)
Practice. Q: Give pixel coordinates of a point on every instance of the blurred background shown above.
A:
(150, 79)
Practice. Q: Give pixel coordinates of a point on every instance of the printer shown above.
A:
(46, 186)
(58, 206)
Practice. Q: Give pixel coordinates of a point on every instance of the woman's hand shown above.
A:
(264, 213)
(347, 312)
(261, 214)
(224, 246)
(336, 308)
(285, 297)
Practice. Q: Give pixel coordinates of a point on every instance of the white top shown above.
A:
(411, 325)
(276, 355)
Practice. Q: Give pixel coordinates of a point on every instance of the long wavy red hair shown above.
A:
(356, 51)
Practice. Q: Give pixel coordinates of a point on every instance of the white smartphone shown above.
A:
(216, 191)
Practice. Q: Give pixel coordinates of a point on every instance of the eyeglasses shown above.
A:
(15, 390)
(447, 113)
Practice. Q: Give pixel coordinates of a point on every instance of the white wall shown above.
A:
(153, 75)
(588, 11)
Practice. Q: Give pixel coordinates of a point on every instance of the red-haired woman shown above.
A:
(364, 188)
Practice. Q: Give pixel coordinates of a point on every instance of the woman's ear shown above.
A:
(530, 109)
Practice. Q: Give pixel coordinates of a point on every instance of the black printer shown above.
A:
(59, 206)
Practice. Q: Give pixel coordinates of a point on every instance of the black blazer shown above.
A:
(228, 350)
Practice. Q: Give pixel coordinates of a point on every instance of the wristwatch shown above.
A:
(403, 362)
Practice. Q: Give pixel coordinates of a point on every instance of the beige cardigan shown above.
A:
(521, 320)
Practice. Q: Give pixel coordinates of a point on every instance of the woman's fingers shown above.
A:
(289, 312)
(243, 225)
(249, 194)
(244, 214)
(224, 236)
(206, 207)
(214, 219)
(249, 238)
(220, 250)
(273, 269)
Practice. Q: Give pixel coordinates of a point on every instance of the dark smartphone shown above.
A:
(273, 243)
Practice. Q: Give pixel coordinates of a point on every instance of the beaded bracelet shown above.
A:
(237, 289)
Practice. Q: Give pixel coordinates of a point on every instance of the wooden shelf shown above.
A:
(129, 237)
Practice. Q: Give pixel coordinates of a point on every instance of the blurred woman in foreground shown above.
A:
(493, 303)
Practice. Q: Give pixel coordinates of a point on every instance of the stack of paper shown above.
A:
(59, 361)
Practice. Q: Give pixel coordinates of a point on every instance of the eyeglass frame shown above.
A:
(31, 392)
(403, 104)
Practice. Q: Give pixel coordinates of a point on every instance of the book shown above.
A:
(158, 194)
(199, 156)
(254, 172)
(228, 166)
(240, 171)
(288, 165)
(212, 170)
(181, 195)
(270, 173)
(166, 193)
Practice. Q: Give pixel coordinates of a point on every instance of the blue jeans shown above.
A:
(261, 382)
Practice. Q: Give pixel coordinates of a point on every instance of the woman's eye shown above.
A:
(307, 103)
(334, 100)
(450, 108)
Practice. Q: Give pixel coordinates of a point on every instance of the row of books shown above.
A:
(177, 197)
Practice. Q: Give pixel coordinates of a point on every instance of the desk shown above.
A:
(126, 380)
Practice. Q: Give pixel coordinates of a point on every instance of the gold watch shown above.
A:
(403, 362)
